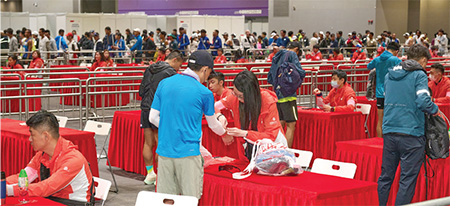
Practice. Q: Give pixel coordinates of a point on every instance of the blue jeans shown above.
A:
(409, 151)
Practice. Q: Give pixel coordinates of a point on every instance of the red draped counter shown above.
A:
(445, 108)
(373, 116)
(14, 201)
(127, 140)
(34, 104)
(367, 155)
(318, 131)
(17, 150)
(305, 189)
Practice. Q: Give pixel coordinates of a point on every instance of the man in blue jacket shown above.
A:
(204, 43)
(386, 60)
(407, 98)
(137, 47)
(183, 40)
(287, 105)
(217, 42)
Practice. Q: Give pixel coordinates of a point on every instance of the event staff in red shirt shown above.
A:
(13, 63)
(37, 62)
(99, 61)
(248, 102)
(216, 83)
(337, 55)
(108, 60)
(161, 55)
(341, 98)
(359, 54)
(315, 55)
(271, 55)
(220, 58)
(439, 84)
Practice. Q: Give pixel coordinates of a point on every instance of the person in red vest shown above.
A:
(37, 62)
(342, 97)
(216, 83)
(220, 58)
(359, 54)
(315, 54)
(439, 84)
(161, 55)
(271, 55)
(13, 63)
(99, 61)
(337, 55)
(109, 61)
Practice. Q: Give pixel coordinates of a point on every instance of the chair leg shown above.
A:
(112, 174)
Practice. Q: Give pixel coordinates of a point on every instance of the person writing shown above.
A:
(341, 98)
(61, 171)
(99, 61)
(37, 62)
(439, 84)
(248, 102)
(152, 76)
(177, 109)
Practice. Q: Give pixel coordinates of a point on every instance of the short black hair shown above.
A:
(393, 46)
(337, 50)
(316, 47)
(181, 28)
(264, 33)
(294, 44)
(44, 120)
(371, 33)
(9, 31)
(217, 75)
(175, 54)
(340, 74)
(340, 33)
(290, 33)
(108, 28)
(439, 67)
(203, 31)
(61, 31)
(283, 31)
(163, 33)
(216, 30)
(13, 57)
(48, 31)
(158, 29)
(417, 52)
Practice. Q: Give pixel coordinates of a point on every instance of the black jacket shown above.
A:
(152, 76)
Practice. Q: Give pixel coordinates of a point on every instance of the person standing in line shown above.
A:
(386, 60)
(407, 99)
(180, 164)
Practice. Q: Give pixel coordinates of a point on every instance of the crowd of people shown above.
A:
(175, 129)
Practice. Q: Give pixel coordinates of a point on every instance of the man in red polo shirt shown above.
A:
(216, 82)
(342, 97)
(439, 84)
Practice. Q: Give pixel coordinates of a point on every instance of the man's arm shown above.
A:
(423, 99)
(154, 117)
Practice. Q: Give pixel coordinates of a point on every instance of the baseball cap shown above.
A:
(294, 44)
(70, 34)
(225, 33)
(96, 34)
(35, 33)
(137, 29)
(171, 35)
(202, 58)
(273, 34)
(359, 46)
(321, 32)
(406, 34)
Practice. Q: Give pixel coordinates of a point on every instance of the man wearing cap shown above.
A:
(217, 42)
(203, 43)
(287, 105)
(409, 40)
(173, 43)
(382, 63)
(236, 41)
(183, 40)
(138, 45)
(180, 165)
(35, 36)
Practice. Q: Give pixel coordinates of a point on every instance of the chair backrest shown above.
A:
(145, 198)
(304, 157)
(102, 188)
(363, 108)
(335, 168)
(99, 128)
(62, 121)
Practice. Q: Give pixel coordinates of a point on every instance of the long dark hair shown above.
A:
(247, 83)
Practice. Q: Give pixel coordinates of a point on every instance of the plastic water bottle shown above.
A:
(23, 187)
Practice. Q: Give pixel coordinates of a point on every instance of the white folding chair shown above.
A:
(365, 110)
(102, 128)
(102, 189)
(145, 198)
(304, 157)
(62, 121)
(335, 168)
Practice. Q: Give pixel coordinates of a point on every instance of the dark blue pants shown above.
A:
(409, 151)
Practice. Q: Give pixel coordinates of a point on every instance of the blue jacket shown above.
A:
(217, 43)
(108, 41)
(382, 63)
(277, 60)
(121, 45)
(61, 41)
(204, 44)
(283, 41)
(407, 98)
(138, 45)
(183, 40)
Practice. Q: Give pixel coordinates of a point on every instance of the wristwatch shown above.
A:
(332, 109)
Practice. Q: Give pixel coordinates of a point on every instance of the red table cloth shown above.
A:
(33, 201)
(445, 108)
(318, 131)
(127, 139)
(17, 150)
(367, 155)
(305, 189)
(34, 104)
(373, 116)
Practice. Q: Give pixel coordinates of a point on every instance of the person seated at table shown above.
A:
(342, 97)
(216, 83)
(99, 61)
(220, 58)
(359, 54)
(315, 54)
(434, 52)
(239, 57)
(161, 55)
(37, 62)
(439, 84)
(271, 55)
(13, 63)
(248, 102)
(61, 171)
(108, 60)
(337, 55)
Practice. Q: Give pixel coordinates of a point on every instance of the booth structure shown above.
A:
(82, 22)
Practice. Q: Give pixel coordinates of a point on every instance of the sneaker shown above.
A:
(150, 179)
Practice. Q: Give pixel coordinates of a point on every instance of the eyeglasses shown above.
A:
(228, 168)
(238, 96)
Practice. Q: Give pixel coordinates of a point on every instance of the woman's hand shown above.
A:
(227, 139)
(236, 132)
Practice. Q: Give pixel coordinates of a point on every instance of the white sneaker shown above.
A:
(150, 179)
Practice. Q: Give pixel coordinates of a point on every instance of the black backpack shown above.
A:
(288, 78)
(437, 138)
